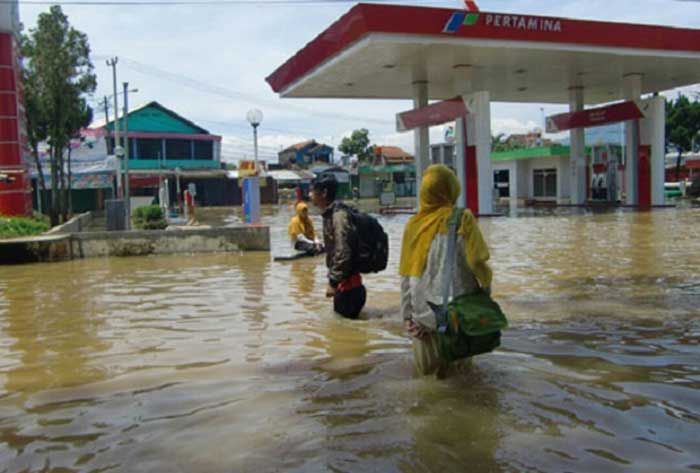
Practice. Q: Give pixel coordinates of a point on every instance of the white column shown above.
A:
(479, 135)
(653, 133)
(421, 136)
(577, 167)
(462, 85)
(632, 90)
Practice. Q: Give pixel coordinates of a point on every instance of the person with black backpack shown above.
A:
(355, 243)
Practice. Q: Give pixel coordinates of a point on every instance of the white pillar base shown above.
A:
(578, 186)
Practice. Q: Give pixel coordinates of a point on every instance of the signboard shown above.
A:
(431, 115)
(251, 200)
(618, 112)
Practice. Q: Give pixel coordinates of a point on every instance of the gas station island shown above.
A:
(453, 63)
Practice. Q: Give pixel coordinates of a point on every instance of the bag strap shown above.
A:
(448, 272)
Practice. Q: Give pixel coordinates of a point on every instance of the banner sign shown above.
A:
(618, 112)
(434, 114)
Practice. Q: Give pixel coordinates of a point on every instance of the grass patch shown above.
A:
(14, 227)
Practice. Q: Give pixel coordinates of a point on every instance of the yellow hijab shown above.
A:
(301, 223)
(438, 193)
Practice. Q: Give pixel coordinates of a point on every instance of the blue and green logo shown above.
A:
(467, 17)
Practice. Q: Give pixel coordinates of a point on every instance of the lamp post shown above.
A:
(255, 117)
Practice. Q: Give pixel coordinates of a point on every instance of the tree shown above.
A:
(501, 142)
(682, 125)
(59, 72)
(37, 123)
(357, 144)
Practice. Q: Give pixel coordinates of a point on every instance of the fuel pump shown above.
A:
(604, 173)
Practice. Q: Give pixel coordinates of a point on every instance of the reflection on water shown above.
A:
(230, 362)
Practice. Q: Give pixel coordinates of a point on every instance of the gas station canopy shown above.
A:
(381, 51)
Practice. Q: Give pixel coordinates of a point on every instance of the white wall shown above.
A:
(522, 180)
(653, 132)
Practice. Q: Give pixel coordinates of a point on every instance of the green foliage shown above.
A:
(682, 122)
(501, 143)
(149, 217)
(357, 144)
(13, 227)
(57, 74)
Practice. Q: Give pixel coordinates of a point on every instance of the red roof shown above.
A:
(394, 153)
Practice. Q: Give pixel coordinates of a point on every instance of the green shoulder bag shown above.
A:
(470, 324)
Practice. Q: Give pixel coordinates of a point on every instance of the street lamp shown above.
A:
(255, 117)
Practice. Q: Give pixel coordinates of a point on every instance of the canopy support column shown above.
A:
(421, 136)
(632, 90)
(578, 187)
(474, 154)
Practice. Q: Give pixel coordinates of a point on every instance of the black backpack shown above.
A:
(370, 245)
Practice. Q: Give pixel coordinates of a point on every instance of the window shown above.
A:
(148, 148)
(545, 182)
(448, 158)
(204, 150)
(501, 181)
(178, 149)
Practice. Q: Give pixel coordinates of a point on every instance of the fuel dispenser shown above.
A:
(606, 180)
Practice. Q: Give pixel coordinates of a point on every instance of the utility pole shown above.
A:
(126, 155)
(106, 106)
(113, 64)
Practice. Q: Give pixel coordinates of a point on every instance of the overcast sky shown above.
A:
(208, 63)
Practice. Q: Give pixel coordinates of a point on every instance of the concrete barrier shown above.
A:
(44, 248)
(75, 225)
(61, 247)
(155, 242)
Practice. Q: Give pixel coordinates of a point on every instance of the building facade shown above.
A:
(305, 154)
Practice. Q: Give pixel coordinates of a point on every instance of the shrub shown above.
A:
(149, 217)
(13, 227)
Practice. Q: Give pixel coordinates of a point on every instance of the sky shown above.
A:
(208, 63)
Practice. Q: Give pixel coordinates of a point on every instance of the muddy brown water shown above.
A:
(231, 363)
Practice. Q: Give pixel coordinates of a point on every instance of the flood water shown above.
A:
(233, 363)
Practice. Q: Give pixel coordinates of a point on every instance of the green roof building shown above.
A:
(161, 139)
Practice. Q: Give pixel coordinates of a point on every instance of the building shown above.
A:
(532, 174)
(306, 154)
(92, 174)
(397, 178)
(165, 147)
(387, 155)
(368, 53)
(161, 139)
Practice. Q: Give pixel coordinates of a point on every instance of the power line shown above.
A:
(201, 86)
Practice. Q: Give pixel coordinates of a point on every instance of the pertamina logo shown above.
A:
(468, 17)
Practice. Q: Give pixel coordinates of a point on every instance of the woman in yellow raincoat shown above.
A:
(423, 259)
(301, 231)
